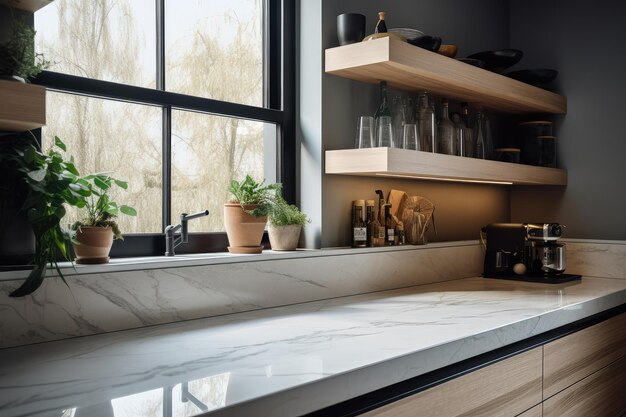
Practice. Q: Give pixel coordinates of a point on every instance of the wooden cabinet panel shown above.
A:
(573, 357)
(600, 394)
(536, 411)
(23, 106)
(506, 388)
(28, 5)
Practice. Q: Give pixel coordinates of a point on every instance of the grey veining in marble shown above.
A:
(105, 302)
(596, 259)
(290, 360)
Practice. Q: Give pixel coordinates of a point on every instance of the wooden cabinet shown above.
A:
(28, 5)
(574, 357)
(506, 388)
(601, 394)
(582, 374)
(22, 106)
(407, 67)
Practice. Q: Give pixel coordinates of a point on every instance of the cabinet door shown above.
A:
(536, 411)
(600, 394)
(506, 388)
(573, 357)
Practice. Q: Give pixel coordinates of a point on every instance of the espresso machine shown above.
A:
(525, 252)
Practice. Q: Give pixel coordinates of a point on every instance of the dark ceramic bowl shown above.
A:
(539, 76)
(498, 61)
(474, 62)
(431, 43)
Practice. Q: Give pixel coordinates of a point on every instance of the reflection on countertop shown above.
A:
(288, 360)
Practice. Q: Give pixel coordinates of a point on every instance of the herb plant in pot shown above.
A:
(245, 215)
(94, 234)
(285, 225)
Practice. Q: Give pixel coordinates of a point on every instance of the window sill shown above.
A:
(200, 259)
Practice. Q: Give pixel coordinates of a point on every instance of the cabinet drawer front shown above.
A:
(573, 357)
(600, 394)
(506, 388)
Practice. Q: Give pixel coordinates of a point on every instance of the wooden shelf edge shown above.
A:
(25, 107)
(27, 5)
(407, 67)
(402, 163)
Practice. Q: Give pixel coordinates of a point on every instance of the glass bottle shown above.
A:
(371, 223)
(359, 230)
(470, 140)
(383, 108)
(427, 123)
(390, 226)
(445, 131)
(480, 137)
(381, 27)
(459, 135)
(398, 118)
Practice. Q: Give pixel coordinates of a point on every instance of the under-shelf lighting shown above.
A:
(424, 177)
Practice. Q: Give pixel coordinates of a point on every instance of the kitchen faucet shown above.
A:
(171, 240)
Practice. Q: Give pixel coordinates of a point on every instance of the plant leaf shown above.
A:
(37, 175)
(34, 280)
(129, 211)
(58, 142)
(102, 183)
(121, 184)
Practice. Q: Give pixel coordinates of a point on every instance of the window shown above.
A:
(178, 97)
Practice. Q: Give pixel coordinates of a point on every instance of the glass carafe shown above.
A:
(427, 123)
(445, 131)
(484, 141)
(470, 139)
(384, 113)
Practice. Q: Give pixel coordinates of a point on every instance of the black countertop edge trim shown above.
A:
(395, 392)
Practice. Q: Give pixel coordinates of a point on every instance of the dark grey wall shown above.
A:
(585, 41)
(461, 209)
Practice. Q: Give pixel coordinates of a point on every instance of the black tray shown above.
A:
(544, 279)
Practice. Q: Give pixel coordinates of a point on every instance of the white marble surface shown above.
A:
(117, 300)
(294, 359)
(596, 258)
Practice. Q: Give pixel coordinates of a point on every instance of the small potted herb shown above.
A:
(18, 59)
(285, 225)
(245, 215)
(94, 234)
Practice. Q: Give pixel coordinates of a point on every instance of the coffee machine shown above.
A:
(525, 252)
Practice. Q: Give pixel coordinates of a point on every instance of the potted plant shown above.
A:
(52, 181)
(18, 59)
(245, 215)
(285, 225)
(94, 234)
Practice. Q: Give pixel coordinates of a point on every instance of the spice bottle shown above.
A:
(381, 26)
(390, 227)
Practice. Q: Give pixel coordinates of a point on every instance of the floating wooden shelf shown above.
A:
(22, 106)
(408, 67)
(402, 163)
(28, 5)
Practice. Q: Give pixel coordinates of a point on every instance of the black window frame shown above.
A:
(279, 109)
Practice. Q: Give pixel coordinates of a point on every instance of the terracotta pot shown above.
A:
(284, 237)
(93, 245)
(244, 230)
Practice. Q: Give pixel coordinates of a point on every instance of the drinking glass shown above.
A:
(410, 138)
(365, 133)
(385, 132)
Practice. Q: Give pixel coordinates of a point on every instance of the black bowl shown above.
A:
(431, 43)
(498, 61)
(350, 28)
(535, 77)
(474, 62)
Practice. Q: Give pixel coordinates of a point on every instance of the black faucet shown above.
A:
(171, 240)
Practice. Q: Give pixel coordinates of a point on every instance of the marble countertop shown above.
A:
(289, 360)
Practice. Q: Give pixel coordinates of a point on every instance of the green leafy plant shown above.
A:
(18, 56)
(282, 213)
(101, 209)
(53, 181)
(251, 192)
